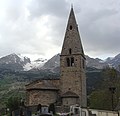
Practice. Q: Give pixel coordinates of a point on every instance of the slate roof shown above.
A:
(41, 85)
(69, 94)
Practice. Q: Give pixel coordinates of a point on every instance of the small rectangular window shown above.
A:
(83, 63)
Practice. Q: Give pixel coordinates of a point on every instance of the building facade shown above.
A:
(70, 88)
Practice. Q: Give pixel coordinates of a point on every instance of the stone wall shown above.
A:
(43, 97)
(69, 101)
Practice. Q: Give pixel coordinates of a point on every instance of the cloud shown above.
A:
(37, 28)
(48, 7)
(99, 32)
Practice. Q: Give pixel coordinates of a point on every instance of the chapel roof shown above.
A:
(41, 85)
(69, 94)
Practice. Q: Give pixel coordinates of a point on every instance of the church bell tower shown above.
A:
(72, 66)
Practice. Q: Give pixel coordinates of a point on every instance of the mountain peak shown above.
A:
(13, 62)
(117, 56)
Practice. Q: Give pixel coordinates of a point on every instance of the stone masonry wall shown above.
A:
(43, 97)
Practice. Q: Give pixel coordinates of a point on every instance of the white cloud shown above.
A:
(37, 28)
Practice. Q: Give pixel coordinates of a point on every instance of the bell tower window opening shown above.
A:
(72, 61)
(70, 51)
(68, 62)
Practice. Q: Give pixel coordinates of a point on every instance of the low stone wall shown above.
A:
(104, 112)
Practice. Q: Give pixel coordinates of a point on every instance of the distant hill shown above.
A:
(16, 62)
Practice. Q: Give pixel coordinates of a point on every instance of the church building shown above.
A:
(70, 88)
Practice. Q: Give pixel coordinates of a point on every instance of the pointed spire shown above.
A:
(72, 17)
(72, 38)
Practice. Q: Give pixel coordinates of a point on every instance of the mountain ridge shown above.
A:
(18, 62)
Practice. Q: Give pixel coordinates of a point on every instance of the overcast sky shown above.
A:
(36, 28)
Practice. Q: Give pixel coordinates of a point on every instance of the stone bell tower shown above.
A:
(72, 66)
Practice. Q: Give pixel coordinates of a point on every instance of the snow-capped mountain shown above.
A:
(13, 62)
(37, 64)
(18, 62)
